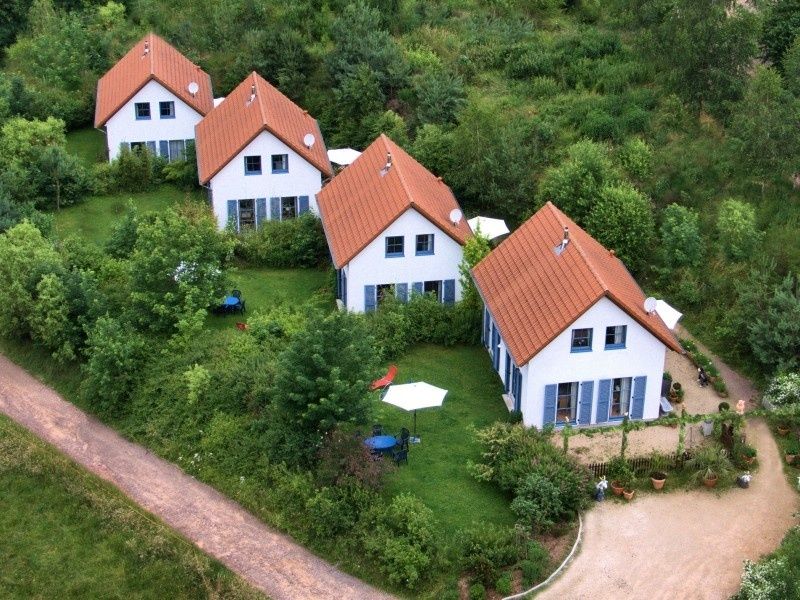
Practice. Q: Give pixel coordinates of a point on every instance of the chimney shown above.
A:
(252, 95)
(559, 250)
(146, 48)
(388, 164)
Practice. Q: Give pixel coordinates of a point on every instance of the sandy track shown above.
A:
(270, 561)
(684, 544)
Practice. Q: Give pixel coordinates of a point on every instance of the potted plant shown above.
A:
(620, 473)
(658, 475)
(628, 493)
(723, 406)
(676, 393)
(747, 454)
(709, 464)
(783, 429)
(792, 450)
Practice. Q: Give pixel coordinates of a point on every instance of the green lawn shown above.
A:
(67, 534)
(89, 145)
(92, 219)
(436, 469)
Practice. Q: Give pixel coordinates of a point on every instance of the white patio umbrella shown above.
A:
(491, 228)
(413, 396)
(669, 315)
(343, 156)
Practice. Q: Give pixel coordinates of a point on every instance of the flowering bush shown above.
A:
(784, 390)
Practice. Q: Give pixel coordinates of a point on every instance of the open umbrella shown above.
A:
(413, 396)
(490, 228)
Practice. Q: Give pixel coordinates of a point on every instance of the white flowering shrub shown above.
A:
(784, 390)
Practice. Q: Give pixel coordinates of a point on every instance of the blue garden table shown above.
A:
(380, 443)
(231, 301)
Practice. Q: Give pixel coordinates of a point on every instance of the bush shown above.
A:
(503, 584)
(477, 592)
(535, 565)
(552, 494)
(784, 390)
(334, 511)
(292, 243)
(485, 549)
(134, 170)
(344, 458)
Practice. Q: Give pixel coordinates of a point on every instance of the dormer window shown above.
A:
(142, 110)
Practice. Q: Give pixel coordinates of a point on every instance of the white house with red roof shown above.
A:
(261, 156)
(391, 229)
(566, 327)
(153, 97)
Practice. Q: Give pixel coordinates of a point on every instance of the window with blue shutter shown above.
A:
(416, 287)
(507, 378)
(487, 323)
(585, 408)
(152, 147)
(369, 298)
(637, 404)
(344, 287)
(275, 209)
(516, 388)
(261, 210)
(549, 413)
(233, 214)
(495, 348)
(163, 149)
(302, 202)
(402, 292)
(603, 396)
(449, 291)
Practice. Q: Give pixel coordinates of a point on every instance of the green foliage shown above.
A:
(784, 390)
(503, 584)
(708, 461)
(134, 170)
(477, 591)
(485, 549)
(296, 242)
(333, 511)
(791, 66)
(736, 228)
(776, 575)
(622, 220)
(322, 381)
(681, 242)
(402, 537)
(780, 29)
(636, 157)
(439, 96)
(549, 495)
(343, 459)
(775, 334)
(475, 250)
(124, 233)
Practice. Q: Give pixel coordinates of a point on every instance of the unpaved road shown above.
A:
(684, 544)
(270, 561)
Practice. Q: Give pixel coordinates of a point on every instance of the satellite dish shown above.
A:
(650, 304)
(455, 216)
(193, 87)
(309, 140)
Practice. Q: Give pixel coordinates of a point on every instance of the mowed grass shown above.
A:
(67, 534)
(437, 466)
(93, 219)
(89, 145)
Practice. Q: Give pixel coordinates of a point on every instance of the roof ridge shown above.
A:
(396, 164)
(581, 251)
(150, 55)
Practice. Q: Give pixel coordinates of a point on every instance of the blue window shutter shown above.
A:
(261, 210)
(344, 287)
(163, 148)
(402, 292)
(550, 393)
(369, 298)
(516, 386)
(585, 410)
(416, 287)
(233, 216)
(152, 147)
(487, 324)
(303, 202)
(449, 291)
(275, 209)
(495, 348)
(603, 398)
(639, 387)
(507, 370)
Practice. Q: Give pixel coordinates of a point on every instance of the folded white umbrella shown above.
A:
(490, 228)
(413, 396)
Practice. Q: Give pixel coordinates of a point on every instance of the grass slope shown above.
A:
(66, 534)
(89, 145)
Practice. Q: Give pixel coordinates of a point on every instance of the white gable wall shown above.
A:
(230, 183)
(372, 267)
(643, 355)
(124, 127)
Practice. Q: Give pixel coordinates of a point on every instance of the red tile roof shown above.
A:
(534, 294)
(161, 63)
(237, 121)
(361, 202)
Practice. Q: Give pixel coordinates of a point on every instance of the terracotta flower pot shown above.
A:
(628, 494)
(783, 430)
(617, 488)
(658, 480)
(749, 460)
(710, 482)
(790, 458)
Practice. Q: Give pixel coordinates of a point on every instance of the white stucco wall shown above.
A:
(372, 267)
(124, 127)
(643, 355)
(303, 179)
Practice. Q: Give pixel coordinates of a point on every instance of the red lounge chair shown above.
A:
(241, 326)
(385, 380)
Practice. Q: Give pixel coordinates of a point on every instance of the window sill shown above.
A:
(252, 173)
(143, 118)
(424, 254)
(163, 117)
(279, 171)
(615, 347)
(579, 350)
(561, 424)
(397, 255)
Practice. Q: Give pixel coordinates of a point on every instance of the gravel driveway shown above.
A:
(270, 561)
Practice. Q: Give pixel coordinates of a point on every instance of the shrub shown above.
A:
(535, 564)
(333, 511)
(477, 592)
(485, 549)
(708, 461)
(723, 406)
(292, 243)
(784, 390)
(550, 495)
(503, 584)
(134, 170)
(343, 457)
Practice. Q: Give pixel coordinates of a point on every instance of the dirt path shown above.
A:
(684, 544)
(270, 561)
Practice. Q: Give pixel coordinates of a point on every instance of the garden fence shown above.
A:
(641, 465)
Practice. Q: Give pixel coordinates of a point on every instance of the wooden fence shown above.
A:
(642, 465)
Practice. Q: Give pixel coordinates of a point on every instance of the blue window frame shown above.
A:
(615, 336)
(252, 165)
(394, 246)
(619, 403)
(166, 110)
(280, 163)
(581, 340)
(567, 403)
(142, 110)
(424, 244)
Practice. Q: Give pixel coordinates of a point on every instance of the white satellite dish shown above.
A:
(308, 140)
(455, 216)
(650, 305)
(193, 87)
